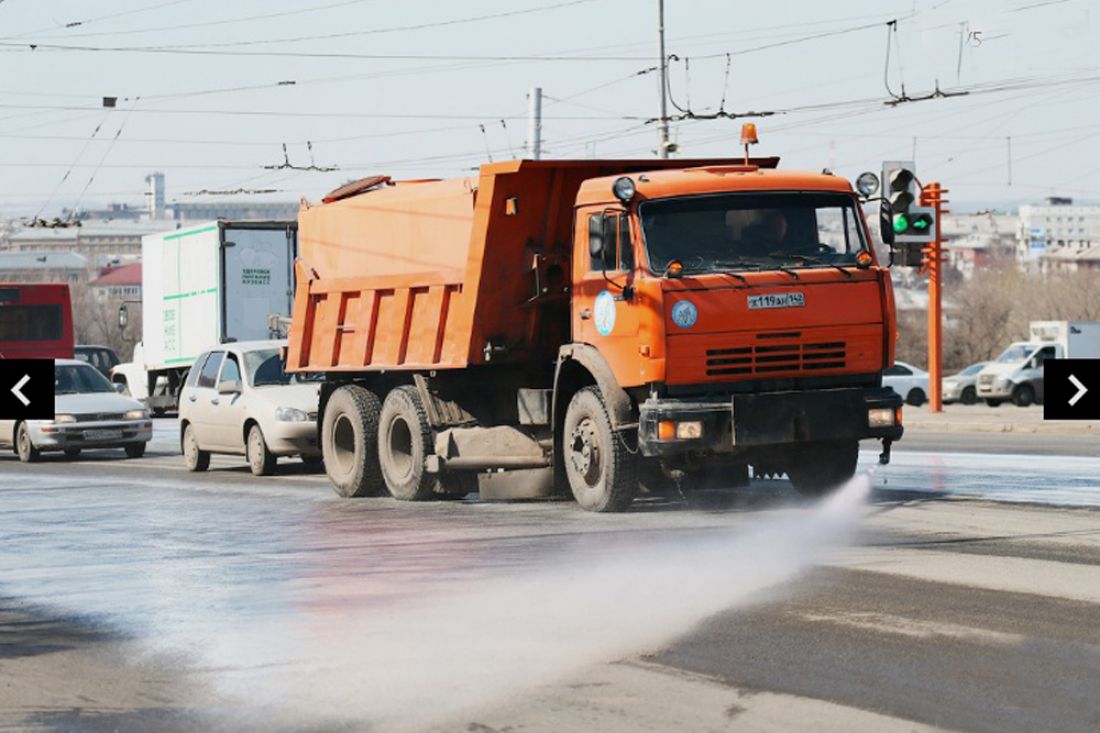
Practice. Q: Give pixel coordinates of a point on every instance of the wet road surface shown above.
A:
(964, 594)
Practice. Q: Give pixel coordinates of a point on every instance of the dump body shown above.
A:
(443, 274)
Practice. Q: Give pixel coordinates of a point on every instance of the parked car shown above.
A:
(238, 400)
(102, 358)
(963, 386)
(910, 382)
(88, 413)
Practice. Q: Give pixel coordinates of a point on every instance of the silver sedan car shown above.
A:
(962, 387)
(88, 413)
(239, 400)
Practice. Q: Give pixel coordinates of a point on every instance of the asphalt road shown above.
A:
(962, 592)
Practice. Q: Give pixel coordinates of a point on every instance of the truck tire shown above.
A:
(24, 448)
(601, 469)
(1023, 396)
(404, 442)
(260, 459)
(818, 468)
(195, 458)
(349, 442)
(916, 397)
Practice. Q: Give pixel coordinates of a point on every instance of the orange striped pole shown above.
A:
(934, 257)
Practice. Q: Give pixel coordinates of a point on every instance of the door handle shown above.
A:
(585, 314)
(193, 398)
(214, 401)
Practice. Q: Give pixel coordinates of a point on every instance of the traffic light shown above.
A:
(911, 226)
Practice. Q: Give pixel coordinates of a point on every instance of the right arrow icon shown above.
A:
(1081, 390)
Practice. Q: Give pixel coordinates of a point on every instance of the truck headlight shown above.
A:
(881, 417)
(64, 418)
(686, 430)
(137, 415)
(290, 414)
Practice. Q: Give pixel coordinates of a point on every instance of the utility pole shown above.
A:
(534, 123)
(662, 128)
(932, 195)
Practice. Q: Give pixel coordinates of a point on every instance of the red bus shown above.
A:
(36, 321)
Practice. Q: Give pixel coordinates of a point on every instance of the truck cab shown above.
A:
(741, 311)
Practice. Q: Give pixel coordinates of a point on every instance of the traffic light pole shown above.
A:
(932, 195)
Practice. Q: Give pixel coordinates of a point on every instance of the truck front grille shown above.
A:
(769, 358)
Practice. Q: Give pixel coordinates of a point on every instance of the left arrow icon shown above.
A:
(20, 385)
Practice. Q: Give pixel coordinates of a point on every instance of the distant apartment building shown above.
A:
(1056, 231)
(99, 241)
(117, 284)
(37, 267)
(975, 241)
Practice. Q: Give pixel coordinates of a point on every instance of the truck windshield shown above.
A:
(731, 231)
(1015, 354)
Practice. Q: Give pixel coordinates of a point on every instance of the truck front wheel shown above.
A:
(601, 469)
(349, 441)
(819, 468)
(404, 441)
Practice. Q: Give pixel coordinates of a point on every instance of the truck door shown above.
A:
(258, 272)
(605, 312)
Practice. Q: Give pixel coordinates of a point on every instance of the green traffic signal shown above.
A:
(921, 223)
(901, 223)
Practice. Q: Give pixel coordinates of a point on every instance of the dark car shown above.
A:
(101, 357)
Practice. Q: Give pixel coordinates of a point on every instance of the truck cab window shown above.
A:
(618, 252)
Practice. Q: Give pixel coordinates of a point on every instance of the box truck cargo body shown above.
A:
(205, 285)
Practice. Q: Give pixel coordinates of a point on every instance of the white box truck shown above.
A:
(1017, 374)
(205, 285)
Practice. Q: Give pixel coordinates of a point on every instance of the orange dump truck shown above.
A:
(607, 327)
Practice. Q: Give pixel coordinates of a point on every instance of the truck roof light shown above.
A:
(624, 189)
(748, 134)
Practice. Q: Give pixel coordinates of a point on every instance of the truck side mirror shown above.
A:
(885, 223)
(596, 242)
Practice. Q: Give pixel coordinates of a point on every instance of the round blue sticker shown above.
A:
(605, 313)
(684, 314)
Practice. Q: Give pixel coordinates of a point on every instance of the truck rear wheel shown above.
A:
(349, 442)
(818, 468)
(404, 441)
(602, 471)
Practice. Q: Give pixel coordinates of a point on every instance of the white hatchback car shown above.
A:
(88, 414)
(238, 400)
(908, 381)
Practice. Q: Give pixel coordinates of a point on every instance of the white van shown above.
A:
(1017, 374)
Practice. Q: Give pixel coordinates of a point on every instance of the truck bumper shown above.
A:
(741, 422)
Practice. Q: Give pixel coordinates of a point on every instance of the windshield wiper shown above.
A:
(724, 265)
(806, 259)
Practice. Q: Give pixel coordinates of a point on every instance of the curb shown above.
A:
(1059, 428)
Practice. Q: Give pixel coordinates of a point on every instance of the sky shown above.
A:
(209, 91)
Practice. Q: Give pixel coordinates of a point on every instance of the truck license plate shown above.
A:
(777, 300)
(102, 434)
